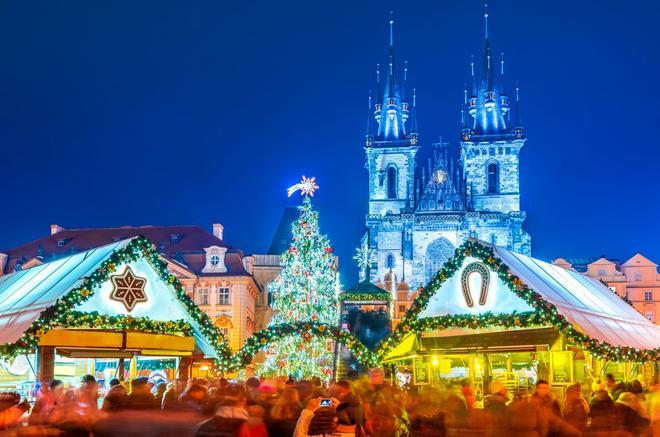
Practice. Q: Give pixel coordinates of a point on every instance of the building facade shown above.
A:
(636, 280)
(217, 276)
(419, 213)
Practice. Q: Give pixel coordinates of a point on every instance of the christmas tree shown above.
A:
(305, 291)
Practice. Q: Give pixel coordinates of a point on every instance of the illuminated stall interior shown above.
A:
(489, 332)
(98, 313)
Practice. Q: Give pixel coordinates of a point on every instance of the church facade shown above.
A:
(420, 212)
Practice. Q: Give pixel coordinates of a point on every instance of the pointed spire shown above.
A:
(517, 122)
(414, 112)
(369, 115)
(502, 63)
(485, 20)
(379, 90)
(391, 28)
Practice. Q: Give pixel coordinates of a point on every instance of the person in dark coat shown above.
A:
(495, 405)
(603, 413)
(140, 397)
(576, 409)
(631, 414)
(116, 398)
(525, 419)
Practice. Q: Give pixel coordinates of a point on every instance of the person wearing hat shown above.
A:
(631, 414)
(495, 405)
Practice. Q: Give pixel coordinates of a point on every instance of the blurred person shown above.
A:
(140, 397)
(229, 417)
(524, 418)
(495, 405)
(267, 397)
(285, 413)
(636, 388)
(194, 398)
(602, 412)
(170, 397)
(116, 398)
(254, 426)
(47, 397)
(88, 394)
(544, 398)
(252, 390)
(316, 419)
(631, 414)
(468, 393)
(653, 408)
(343, 391)
(576, 409)
(614, 388)
(160, 389)
(346, 425)
(318, 388)
(11, 409)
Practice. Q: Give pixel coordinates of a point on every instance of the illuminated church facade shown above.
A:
(420, 212)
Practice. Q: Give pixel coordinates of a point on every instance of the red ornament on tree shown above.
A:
(328, 249)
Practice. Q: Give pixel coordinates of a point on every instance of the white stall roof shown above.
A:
(588, 304)
(25, 294)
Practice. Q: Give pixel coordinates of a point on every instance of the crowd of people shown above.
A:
(367, 406)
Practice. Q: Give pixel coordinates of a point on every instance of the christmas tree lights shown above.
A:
(305, 291)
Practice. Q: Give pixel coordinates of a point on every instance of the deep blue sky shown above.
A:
(116, 113)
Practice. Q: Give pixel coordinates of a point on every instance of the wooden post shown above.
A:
(46, 363)
(121, 370)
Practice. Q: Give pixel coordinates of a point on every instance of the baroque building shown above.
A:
(418, 214)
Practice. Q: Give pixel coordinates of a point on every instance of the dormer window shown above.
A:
(175, 238)
(61, 243)
(215, 260)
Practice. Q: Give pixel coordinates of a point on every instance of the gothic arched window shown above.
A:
(390, 261)
(391, 183)
(493, 178)
(437, 254)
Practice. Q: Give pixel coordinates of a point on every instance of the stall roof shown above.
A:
(588, 304)
(25, 294)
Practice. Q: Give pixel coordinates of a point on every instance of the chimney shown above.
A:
(218, 230)
(54, 229)
(3, 263)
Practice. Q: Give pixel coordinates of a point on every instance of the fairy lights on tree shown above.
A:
(305, 291)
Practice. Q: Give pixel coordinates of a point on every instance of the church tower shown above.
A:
(391, 141)
(491, 139)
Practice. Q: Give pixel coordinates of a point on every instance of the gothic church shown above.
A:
(419, 214)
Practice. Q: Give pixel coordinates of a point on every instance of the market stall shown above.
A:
(113, 310)
(491, 313)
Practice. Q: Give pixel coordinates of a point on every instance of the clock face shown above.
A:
(440, 176)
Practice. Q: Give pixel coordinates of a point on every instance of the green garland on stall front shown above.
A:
(262, 339)
(544, 313)
(62, 314)
(365, 297)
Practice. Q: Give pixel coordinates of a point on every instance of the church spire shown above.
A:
(391, 109)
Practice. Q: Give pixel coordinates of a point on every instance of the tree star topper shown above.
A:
(307, 186)
(128, 289)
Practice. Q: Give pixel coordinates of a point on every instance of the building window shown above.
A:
(601, 272)
(638, 277)
(203, 296)
(215, 260)
(648, 296)
(402, 309)
(225, 332)
(391, 183)
(437, 254)
(223, 296)
(493, 178)
(390, 261)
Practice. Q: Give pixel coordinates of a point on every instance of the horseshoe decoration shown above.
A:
(482, 270)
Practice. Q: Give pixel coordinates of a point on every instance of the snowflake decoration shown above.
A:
(365, 257)
(307, 186)
(128, 289)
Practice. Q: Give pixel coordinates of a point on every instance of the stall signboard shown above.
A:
(421, 372)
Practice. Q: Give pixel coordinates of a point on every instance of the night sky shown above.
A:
(132, 113)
